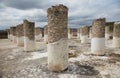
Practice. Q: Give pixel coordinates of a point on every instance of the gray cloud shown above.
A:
(81, 12)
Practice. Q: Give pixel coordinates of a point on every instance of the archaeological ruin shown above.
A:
(116, 35)
(98, 36)
(70, 40)
(84, 33)
(57, 38)
(29, 36)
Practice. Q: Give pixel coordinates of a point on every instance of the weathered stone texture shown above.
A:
(57, 23)
(29, 29)
(20, 31)
(14, 31)
(84, 30)
(46, 30)
(38, 31)
(116, 32)
(98, 28)
(11, 30)
(109, 27)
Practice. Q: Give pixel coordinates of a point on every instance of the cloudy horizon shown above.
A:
(81, 12)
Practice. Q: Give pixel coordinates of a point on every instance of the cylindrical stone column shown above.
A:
(8, 32)
(69, 33)
(98, 36)
(11, 33)
(46, 34)
(116, 35)
(109, 30)
(14, 35)
(84, 34)
(20, 35)
(38, 34)
(90, 32)
(78, 33)
(29, 36)
(57, 38)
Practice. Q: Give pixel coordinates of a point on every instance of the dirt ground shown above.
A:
(15, 63)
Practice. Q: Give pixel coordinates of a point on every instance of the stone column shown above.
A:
(98, 36)
(116, 35)
(11, 33)
(57, 38)
(38, 33)
(46, 34)
(109, 30)
(14, 35)
(20, 35)
(29, 36)
(78, 33)
(8, 32)
(90, 32)
(69, 33)
(84, 34)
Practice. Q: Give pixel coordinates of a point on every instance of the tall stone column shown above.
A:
(84, 34)
(69, 33)
(29, 36)
(57, 38)
(38, 33)
(90, 32)
(116, 35)
(78, 33)
(46, 34)
(98, 36)
(109, 30)
(8, 32)
(14, 35)
(11, 33)
(20, 35)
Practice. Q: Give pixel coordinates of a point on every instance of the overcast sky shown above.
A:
(81, 12)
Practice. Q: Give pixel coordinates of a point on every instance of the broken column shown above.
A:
(38, 34)
(116, 35)
(98, 36)
(46, 34)
(29, 36)
(20, 35)
(57, 38)
(14, 35)
(84, 34)
(109, 30)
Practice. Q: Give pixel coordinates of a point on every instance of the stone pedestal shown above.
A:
(29, 36)
(57, 38)
(20, 35)
(116, 35)
(38, 34)
(84, 34)
(98, 36)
